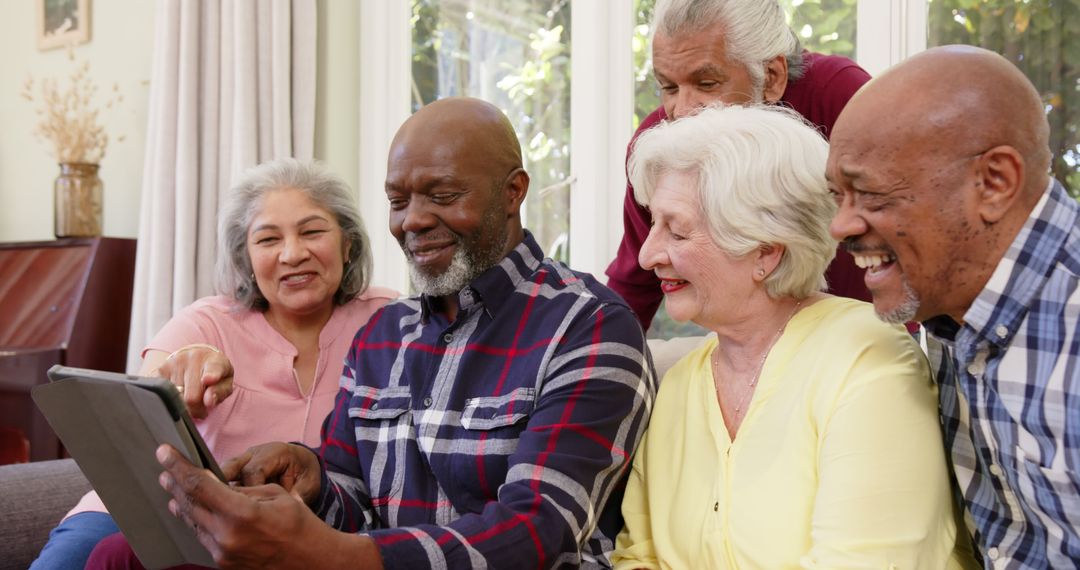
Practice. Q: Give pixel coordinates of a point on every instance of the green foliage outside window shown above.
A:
(1042, 37)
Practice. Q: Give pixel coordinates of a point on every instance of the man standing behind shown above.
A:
(940, 169)
(734, 52)
(487, 423)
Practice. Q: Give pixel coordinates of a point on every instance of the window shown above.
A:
(515, 54)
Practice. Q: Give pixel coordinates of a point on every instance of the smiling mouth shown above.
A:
(426, 253)
(294, 278)
(672, 285)
(874, 263)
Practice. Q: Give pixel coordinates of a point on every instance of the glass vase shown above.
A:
(78, 201)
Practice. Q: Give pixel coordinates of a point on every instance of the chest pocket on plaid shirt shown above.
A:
(492, 429)
(382, 404)
(379, 418)
(490, 412)
(1056, 490)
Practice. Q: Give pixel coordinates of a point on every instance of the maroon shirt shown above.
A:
(819, 96)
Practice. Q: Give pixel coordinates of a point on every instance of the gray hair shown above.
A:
(760, 173)
(325, 189)
(755, 31)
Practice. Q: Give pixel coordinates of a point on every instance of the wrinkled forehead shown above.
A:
(861, 156)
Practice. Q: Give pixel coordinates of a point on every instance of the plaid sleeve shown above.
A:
(344, 501)
(589, 416)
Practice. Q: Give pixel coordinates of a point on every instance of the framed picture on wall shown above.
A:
(62, 23)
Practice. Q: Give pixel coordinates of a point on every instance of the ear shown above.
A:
(775, 78)
(1000, 174)
(516, 188)
(768, 258)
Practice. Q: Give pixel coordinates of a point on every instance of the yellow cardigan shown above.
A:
(838, 463)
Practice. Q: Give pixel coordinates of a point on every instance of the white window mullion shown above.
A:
(601, 112)
(889, 31)
(385, 75)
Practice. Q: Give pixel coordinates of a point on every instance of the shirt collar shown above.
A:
(943, 328)
(1001, 306)
(493, 287)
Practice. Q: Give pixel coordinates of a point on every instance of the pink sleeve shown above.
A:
(192, 325)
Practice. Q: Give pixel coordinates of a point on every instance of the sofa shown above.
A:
(35, 496)
(33, 499)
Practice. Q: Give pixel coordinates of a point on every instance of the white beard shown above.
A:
(454, 279)
(907, 309)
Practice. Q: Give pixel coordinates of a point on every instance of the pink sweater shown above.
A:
(266, 404)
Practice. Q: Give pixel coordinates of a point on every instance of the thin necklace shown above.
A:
(761, 364)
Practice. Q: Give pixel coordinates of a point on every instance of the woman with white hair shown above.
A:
(260, 362)
(805, 432)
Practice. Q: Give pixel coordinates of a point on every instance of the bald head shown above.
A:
(956, 101)
(470, 129)
(937, 164)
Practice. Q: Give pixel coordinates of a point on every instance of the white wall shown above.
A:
(120, 49)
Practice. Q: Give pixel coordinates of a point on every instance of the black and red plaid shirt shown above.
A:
(498, 440)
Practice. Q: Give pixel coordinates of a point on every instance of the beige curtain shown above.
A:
(233, 85)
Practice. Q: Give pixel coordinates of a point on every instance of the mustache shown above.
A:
(852, 246)
(413, 240)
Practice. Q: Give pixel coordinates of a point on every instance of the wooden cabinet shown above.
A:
(61, 302)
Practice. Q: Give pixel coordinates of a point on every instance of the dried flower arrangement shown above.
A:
(68, 118)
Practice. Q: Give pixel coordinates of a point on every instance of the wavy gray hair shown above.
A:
(760, 173)
(755, 31)
(327, 190)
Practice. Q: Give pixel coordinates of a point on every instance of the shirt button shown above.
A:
(447, 338)
(374, 406)
(1002, 331)
(993, 553)
(975, 368)
(716, 506)
(995, 470)
(427, 402)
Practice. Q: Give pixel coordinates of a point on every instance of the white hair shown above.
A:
(760, 175)
(755, 31)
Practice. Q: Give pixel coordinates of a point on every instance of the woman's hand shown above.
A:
(202, 374)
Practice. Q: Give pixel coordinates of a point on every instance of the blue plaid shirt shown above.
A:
(500, 439)
(1010, 396)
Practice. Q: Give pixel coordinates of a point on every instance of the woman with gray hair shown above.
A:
(260, 362)
(805, 432)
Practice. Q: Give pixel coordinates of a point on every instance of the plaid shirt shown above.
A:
(500, 439)
(1010, 396)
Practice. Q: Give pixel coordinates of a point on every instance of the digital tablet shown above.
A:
(112, 424)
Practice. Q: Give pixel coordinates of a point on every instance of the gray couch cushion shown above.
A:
(33, 499)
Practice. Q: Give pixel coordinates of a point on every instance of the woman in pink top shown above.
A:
(261, 362)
